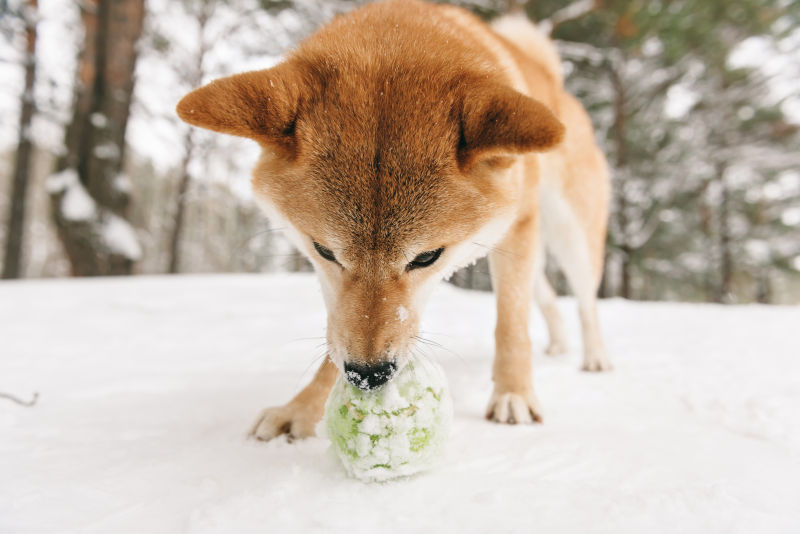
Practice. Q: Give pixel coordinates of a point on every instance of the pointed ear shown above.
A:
(261, 105)
(497, 120)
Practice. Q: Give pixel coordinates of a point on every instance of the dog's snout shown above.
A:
(369, 376)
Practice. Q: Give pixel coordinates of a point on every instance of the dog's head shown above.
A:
(387, 179)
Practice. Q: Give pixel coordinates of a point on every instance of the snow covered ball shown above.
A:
(397, 430)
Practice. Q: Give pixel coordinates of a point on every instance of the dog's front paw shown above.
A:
(596, 360)
(514, 408)
(295, 421)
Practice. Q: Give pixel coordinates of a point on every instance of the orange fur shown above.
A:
(398, 129)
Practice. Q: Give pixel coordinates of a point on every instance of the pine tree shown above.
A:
(677, 222)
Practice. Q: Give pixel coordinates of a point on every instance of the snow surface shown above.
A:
(148, 385)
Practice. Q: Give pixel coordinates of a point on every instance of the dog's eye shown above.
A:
(325, 252)
(425, 259)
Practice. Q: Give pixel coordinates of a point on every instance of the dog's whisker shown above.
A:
(244, 242)
(418, 357)
(421, 355)
(499, 250)
(426, 365)
(426, 332)
(303, 339)
(426, 359)
(310, 338)
(438, 345)
(316, 359)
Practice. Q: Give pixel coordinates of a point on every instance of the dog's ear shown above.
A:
(261, 105)
(497, 120)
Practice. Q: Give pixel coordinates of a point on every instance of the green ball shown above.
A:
(397, 430)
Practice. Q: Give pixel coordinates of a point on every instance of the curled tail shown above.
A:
(518, 29)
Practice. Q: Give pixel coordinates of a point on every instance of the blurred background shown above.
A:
(696, 103)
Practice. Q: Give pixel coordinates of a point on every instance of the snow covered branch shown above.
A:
(572, 11)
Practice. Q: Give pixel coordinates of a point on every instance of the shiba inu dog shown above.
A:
(400, 142)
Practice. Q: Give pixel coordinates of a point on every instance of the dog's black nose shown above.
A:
(369, 376)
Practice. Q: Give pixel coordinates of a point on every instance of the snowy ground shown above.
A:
(148, 385)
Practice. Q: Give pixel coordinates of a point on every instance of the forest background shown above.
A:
(696, 104)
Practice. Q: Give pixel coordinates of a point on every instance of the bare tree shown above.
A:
(89, 194)
(620, 166)
(204, 10)
(12, 265)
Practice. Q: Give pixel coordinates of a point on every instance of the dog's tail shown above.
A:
(518, 29)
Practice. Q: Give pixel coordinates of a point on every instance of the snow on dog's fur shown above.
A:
(400, 142)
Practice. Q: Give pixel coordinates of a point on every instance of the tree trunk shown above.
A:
(725, 254)
(100, 241)
(195, 78)
(621, 161)
(180, 209)
(12, 264)
(763, 286)
(709, 287)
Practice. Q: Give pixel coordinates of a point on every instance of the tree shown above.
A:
(202, 11)
(678, 220)
(21, 175)
(245, 31)
(89, 194)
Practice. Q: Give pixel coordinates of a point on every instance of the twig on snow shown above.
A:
(19, 401)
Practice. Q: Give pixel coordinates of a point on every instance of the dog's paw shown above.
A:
(296, 422)
(596, 361)
(556, 348)
(514, 408)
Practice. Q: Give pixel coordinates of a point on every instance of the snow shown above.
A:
(148, 385)
(680, 100)
(122, 183)
(778, 59)
(76, 203)
(59, 181)
(107, 151)
(402, 314)
(120, 237)
(98, 120)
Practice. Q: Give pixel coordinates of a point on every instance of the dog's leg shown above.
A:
(513, 399)
(546, 299)
(572, 255)
(299, 416)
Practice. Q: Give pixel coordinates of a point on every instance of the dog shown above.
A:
(400, 142)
